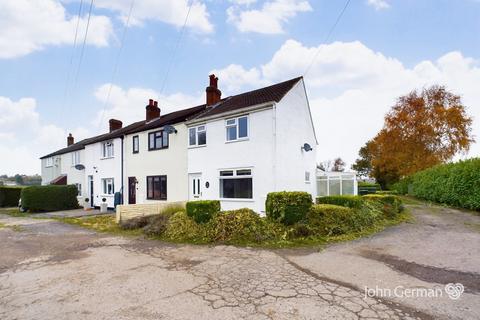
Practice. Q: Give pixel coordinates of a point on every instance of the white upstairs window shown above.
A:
(197, 136)
(107, 149)
(236, 128)
(49, 162)
(75, 158)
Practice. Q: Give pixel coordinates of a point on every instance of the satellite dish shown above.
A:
(79, 166)
(307, 147)
(169, 129)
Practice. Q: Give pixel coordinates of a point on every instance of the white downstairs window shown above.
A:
(108, 186)
(236, 184)
(107, 149)
(236, 128)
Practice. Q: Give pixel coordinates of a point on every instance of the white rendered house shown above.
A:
(245, 146)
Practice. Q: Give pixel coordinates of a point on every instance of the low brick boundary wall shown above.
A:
(129, 211)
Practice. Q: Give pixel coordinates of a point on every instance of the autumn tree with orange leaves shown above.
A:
(422, 129)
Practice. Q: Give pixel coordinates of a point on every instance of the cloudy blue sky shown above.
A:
(380, 49)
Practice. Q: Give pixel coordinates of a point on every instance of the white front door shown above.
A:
(195, 186)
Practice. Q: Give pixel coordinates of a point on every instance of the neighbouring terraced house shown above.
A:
(235, 149)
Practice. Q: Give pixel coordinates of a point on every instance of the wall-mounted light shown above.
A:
(306, 147)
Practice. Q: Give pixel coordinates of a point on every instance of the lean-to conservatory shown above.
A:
(336, 183)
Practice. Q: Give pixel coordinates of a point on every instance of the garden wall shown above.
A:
(129, 211)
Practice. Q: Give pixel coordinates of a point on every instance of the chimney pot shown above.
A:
(213, 94)
(115, 124)
(70, 140)
(152, 111)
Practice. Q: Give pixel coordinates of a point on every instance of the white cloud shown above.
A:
(167, 11)
(378, 4)
(24, 137)
(351, 87)
(269, 19)
(28, 26)
(128, 105)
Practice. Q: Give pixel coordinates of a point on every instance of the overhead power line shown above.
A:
(172, 60)
(329, 34)
(67, 81)
(115, 67)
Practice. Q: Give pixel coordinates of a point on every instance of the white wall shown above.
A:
(293, 129)
(101, 168)
(255, 153)
(171, 162)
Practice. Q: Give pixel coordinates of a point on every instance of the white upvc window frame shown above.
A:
(49, 162)
(234, 123)
(196, 131)
(108, 149)
(79, 188)
(106, 182)
(236, 176)
(75, 158)
(308, 177)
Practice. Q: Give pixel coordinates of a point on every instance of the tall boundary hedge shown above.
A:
(456, 184)
(9, 196)
(49, 198)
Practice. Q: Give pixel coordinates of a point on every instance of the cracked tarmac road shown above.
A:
(49, 270)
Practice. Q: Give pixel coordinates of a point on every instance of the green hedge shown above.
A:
(391, 204)
(49, 198)
(456, 184)
(288, 207)
(202, 210)
(9, 196)
(344, 201)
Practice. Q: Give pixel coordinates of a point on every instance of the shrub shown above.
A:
(288, 207)
(344, 201)
(183, 228)
(134, 223)
(49, 198)
(300, 230)
(329, 219)
(235, 225)
(202, 211)
(368, 187)
(9, 196)
(391, 204)
(156, 224)
(456, 184)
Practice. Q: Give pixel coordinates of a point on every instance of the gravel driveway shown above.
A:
(49, 270)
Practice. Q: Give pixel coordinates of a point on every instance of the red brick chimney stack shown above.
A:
(152, 110)
(213, 94)
(115, 124)
(70, 140)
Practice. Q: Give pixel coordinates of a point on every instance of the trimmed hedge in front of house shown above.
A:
(9, 196)
(344, 201)
(202, 210)
(49, 198)
(455, 184)
(288, 207)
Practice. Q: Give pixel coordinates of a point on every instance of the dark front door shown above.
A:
(91, 190)
(132, 190)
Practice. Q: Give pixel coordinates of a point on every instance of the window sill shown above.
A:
(236, 200)
(238, 140)
(197, 146)
(107, 195)
(105, 158)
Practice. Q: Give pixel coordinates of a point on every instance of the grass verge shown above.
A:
(14, 212)
(102, 223)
